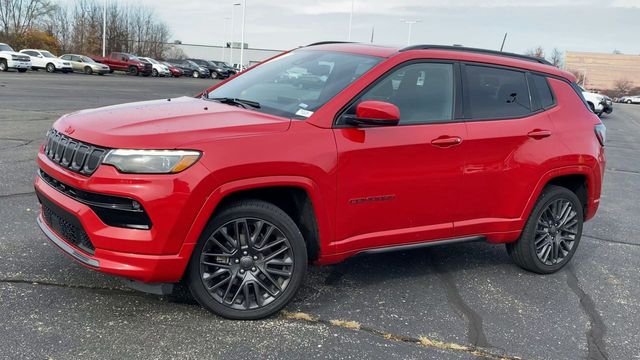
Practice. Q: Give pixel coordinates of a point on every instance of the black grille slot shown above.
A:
(72, 154)
(65, 224)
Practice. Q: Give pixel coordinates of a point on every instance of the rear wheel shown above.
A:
(249, 261)
(88, 70)
(552, 233)
(50, 68)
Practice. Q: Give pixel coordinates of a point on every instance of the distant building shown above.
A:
(220, 53)
(601, 71)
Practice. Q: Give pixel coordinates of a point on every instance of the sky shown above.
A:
(574, 25)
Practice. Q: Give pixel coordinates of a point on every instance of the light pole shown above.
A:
(224, 38)
(351, 19)
(104, 28)
(244, 9)
(410, 23)
(233, 8)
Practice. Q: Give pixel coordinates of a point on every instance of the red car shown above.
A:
(128, 63)
(319, 154)
(175, 72)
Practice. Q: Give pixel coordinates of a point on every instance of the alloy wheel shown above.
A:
(246, 263)
(556, 232)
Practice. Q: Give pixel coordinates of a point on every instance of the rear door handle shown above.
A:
(446, 141)
(539, 134)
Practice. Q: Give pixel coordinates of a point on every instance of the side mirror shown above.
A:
(375, 113)
(40, 56)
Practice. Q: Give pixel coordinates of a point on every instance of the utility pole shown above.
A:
(244, 7)
(410, 23)
(233, 8)
(350, 19)
(373, 29)
(104, 28)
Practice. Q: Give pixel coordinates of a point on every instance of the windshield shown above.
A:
(4, 47)
(192, 63)
(47, 54)
(297, 84)
(87, 59)
(151, 61)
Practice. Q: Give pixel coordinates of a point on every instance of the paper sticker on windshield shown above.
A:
(303, 112)
(303, 105)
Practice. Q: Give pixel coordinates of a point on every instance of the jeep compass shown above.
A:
(319, 154)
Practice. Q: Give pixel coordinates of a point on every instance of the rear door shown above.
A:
(510, 139)
(400, 184)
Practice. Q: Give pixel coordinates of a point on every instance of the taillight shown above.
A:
(601, 133)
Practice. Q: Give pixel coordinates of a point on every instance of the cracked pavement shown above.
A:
(461, 301)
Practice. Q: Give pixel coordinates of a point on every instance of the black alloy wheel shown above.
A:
(552, 232)
(249, 262)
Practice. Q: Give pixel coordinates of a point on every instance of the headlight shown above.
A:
(151, 161)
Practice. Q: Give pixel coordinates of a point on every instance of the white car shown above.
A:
(42, 59)
(158, 68)
(598, 103)
(631, 99)
(9, 59)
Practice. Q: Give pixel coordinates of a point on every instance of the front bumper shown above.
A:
(13, 64)
(156, 255)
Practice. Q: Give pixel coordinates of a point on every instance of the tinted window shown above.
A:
(496, 93)
(423, 92)
(542, 91)
(65, 57)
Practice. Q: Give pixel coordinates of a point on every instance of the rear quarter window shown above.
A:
(542, 92)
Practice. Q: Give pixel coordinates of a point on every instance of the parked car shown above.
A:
(159, 69)
(128, 63)
(10, 59)
(85, 64)
(598, 103)
(42, 59)
(191, 67)
(630, 99)
(175, 71)
(235, 190)
(225, 66)
(215, 71)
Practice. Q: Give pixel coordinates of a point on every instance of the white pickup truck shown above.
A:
(10, 59)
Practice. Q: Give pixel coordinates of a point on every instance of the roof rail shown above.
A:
(330, 42)
(477, 50)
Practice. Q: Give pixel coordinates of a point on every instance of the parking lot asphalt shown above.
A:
(460, 301)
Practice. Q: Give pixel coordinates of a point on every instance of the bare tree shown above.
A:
(556, 58)
(537, 52)
(579, 76)
(175, 53)
(622, 87)
(19, 16)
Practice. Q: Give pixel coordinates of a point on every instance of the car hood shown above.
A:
(14, 53)
(166, 124)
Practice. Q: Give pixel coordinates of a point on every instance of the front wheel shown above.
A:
(88, 70)
(50, 68)
(196, 74)
(249, 261)
(628, 101)
(552, 233)
(3, 65)
(154, 73)
(19, 70)
(133, 71)
(214, 75)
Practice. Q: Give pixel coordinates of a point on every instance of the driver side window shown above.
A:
(423, 92)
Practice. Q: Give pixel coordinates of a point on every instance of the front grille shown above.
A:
(20, 58)
(65, 224)
(72, 154)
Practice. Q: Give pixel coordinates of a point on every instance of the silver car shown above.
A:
(85, 64)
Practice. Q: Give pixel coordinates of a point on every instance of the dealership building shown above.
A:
(601, 71)
(228, 53)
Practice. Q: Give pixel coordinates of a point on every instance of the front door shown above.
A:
(400, 184)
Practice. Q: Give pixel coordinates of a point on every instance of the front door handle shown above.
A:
(539, 134)
(446, 141)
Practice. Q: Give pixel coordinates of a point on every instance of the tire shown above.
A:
(20, 70)
(245, 283)
(628, 101)
(110, 71)
(3, 65)
(88, 70)
(154, 73)
(196, 74)
(133, 71)
(50, 68)
(523, 252)
(214, 75)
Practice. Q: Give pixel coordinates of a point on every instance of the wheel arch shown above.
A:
(298, 196)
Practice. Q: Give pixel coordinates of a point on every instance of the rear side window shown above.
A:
(494, 93)
(542, 91)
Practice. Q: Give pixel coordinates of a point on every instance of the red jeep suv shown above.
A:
(316, 155)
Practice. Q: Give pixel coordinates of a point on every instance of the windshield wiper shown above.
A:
(235, 101)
